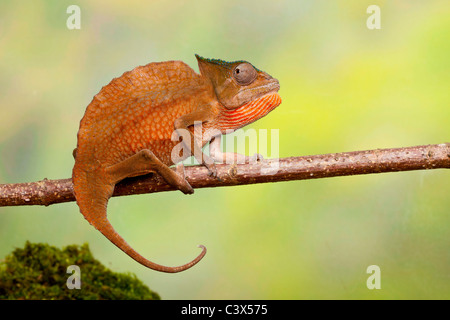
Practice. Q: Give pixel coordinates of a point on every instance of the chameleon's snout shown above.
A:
(273, 85)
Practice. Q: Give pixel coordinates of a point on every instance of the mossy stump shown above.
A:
(39, 271)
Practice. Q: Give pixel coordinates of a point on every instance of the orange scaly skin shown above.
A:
(127, 129)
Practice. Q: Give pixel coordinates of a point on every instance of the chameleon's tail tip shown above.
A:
(193, 262)
(202, 254)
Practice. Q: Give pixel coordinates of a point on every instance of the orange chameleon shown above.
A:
(127, 128)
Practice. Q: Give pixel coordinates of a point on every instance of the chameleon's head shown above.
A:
(236, 83)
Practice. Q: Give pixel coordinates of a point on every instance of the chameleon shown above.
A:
(127, 130)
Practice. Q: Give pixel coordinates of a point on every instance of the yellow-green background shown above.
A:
(344, 88)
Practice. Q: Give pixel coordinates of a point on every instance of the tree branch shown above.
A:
(47, 192)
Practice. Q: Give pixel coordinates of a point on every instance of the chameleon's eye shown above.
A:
(244, 73)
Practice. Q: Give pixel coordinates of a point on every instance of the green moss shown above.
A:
(39, 271)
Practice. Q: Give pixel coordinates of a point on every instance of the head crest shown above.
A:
(226, 64)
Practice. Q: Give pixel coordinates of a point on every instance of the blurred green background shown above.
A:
(344, 88)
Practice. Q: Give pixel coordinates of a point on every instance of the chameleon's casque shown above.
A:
(127, 129)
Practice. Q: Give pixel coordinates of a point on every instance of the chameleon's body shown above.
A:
(127, 129)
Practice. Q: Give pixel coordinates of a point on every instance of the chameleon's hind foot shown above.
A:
(145, 162)
(182, 183)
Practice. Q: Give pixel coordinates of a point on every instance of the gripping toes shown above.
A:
(183, 184)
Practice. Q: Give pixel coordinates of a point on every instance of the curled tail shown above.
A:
(92, 195)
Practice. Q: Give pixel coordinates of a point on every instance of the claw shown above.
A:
(187, 189)
(211, 166)
(212, 171)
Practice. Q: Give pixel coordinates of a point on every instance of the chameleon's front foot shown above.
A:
(212, 170)
(210, 165)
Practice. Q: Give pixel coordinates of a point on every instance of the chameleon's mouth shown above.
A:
(248, 94)
(269, 88)
(275, 85)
